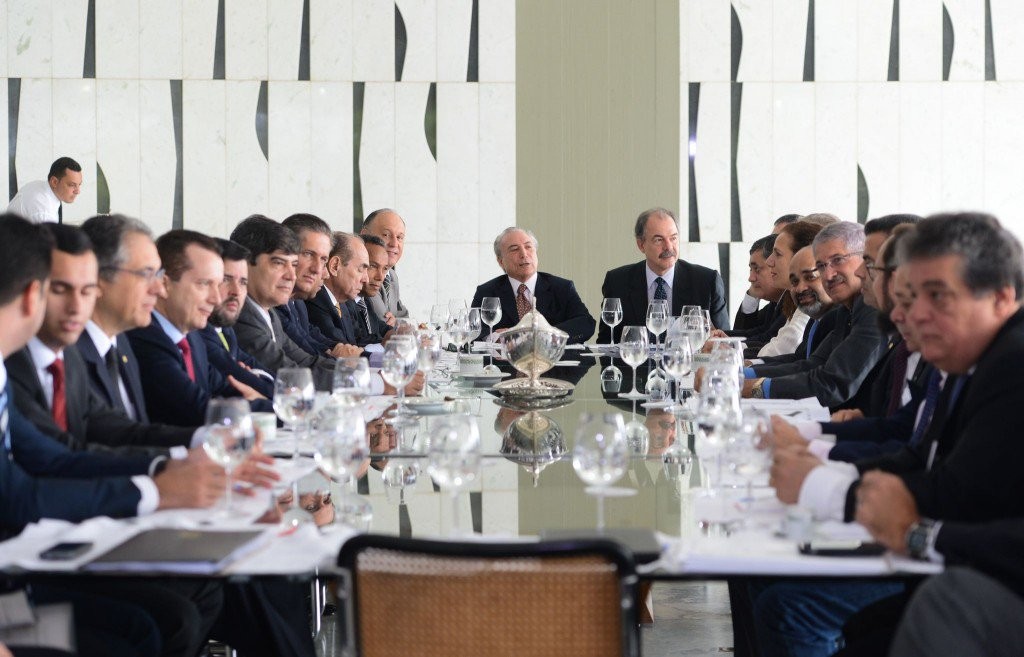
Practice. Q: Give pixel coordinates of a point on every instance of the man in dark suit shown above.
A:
(347, 272)
(759, 326)
(662, 276)
(389, 226)
(370, 329)
(522, 285)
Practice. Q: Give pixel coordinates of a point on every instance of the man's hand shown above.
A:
(784, 434)
(389, 319)
(195, 482)
(709, 345)
(414, 388)
(847, 414)
(247, 392)
(886, 508)
(748, 387)
(790, 468)
(698, 379)
(256, 469)
(342, 350)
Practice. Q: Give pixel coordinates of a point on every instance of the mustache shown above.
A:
(667, 253)
(807, 297)
(835, 280)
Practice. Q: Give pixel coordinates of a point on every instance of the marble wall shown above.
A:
(856, 107)
(197, 113)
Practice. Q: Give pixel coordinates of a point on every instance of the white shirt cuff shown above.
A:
(824, 490)
(377, 384)
(179, 452)
(149, 498)
(197, 440)
(808, 429)
(265, 375)
(820, 448)
(756, 361)
(749, 304)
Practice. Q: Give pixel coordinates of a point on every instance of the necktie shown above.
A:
(366, 315)
(3, 424)
(114, 372)
(523, 305)
(337, 307)
(931, 398)
(224, 341)
(899, 378)
(660, 290)
(186, 355)
(810, 337)
(60, 213)
(59, 407)
(385, 290)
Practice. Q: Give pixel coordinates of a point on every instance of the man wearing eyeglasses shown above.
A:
(841, 364)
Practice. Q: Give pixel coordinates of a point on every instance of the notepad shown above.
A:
(186, 551)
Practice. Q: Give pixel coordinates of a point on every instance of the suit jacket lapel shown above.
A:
(542, 295)
(509, 312)
(97, 369)
(132, 378)
(680, 292)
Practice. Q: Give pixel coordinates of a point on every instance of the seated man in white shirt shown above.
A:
(41, 200)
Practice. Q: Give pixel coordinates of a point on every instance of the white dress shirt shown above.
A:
(530, 283)
(36, 202)
(788, 338)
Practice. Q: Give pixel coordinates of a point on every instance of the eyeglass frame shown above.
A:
(149, 275)
(835, 262)
(874, 270)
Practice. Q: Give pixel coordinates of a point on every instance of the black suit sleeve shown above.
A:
(577, 322)
(718, 306)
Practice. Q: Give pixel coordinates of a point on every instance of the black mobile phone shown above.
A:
(65, 551)
(842, 548)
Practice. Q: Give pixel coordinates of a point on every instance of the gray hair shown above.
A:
(641, 221)
(341, 246)
(505, 233)
(821, 218)
(851, 234)
(108, 233)
(376, 213)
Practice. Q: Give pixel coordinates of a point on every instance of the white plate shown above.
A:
(481, 375)
(567, 363)
(426, 405)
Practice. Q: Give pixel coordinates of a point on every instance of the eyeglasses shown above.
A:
(875, 270)
(148, 274)
(835, 262)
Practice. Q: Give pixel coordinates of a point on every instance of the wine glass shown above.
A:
(611, 315)
(351, 380)
(490, 314)
(438, 316)
(458, 329)
(456, 306)
(746, 455)
(399, 366)
(453, 458)
(658, 318)
(677, 359)
(340, 447)
(228, 437)
(428, 350)
(601, 455)
(633, 350)
(293, 399)
(475, 325)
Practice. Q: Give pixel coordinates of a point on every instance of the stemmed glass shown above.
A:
(428, 351)
(438, 316)
(633, 350)
(490, 314)
(351, 380)
(456, 306)
(475, 325)
(293, 399)
(601, 455)
(611, 315)
(340, 447)
(458, 330)
(677, 358)
(746, 455)
(228, 437)
(399, 366)
(658, 319)
(453, 458)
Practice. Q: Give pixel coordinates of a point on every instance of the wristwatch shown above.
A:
(757, 391)
(921, 538)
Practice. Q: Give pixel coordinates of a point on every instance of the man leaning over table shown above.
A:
(965, 277)
(556, 298)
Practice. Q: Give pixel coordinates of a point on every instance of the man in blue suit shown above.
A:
(556, 298)
(347, 269)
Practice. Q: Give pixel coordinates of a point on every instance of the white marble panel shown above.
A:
(458, 162)
(3, 40)
(712, 161)
(706, 31)
(835, 40)
(284, 27)
(454, 18)
(756, 24)
(421, 34)
(498, 41)
(790, 36)
(920, 149)
(4, 161)
(878, 138)
(739, 270)
(247, 170)
(968, 19)
(373, 51)
(330, 39)
(835, 150)
(488, 267)
(157, 157)
(117, 143)
(204, 156)
(418, 272)
(29, 39)
(246, 47)
(1004, 151)
(963, 145)
(331, 184)
(117, 39)
(377, 146)
(458, 271)
(74, 134)
(415, 167)
(700, 253)
(793, 143)
(69, 20)
(199, 38)
(160, 52)
(874, 23)
(684, 154)
(754, 159)
(290, 148)
(497, 158)
(921, 40)
(1008, 38)
(35, 144)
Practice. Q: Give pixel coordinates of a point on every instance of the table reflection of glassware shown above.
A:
(340, 447)
(633, 350)
(453, 458)
(638, 438)
(293, 400)
(611, 379)
(677, 359)
(746, 455)
(398, 475)
(718, 412)
(228, 438)
(351, 380)
(611, 315)
(600, 455)
(490, 314)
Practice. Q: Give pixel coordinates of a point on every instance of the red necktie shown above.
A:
(186, 354)
(60, 400)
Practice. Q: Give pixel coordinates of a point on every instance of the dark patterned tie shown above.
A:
(522, 301)
(59, 407)
(660, 289)
(899, 378)
(931, 398)
(361, 304)
(114, 372)
(385, 291)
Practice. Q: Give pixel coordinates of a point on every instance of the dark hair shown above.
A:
(888, 222)
(107, 233)
(376, 213)
(24, 255)
(991, 255)
(787, 219)
(764, 245)
(232, 250)
(70, 239)
(301, 221)
(888, 260)
(62, 164)
(801, 233)
(373, 239)
(172, 244)
(262, 234)
(341, 246)
(641, 221)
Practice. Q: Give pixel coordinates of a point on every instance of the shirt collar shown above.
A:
(651, 276)
(101, 340)
(531, 284)
(3, 374)
(330, 295)
(42, 356)
(171, 330)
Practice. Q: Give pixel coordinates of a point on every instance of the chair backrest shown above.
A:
(425, 598)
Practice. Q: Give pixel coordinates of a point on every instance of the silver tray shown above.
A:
(518, 390)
